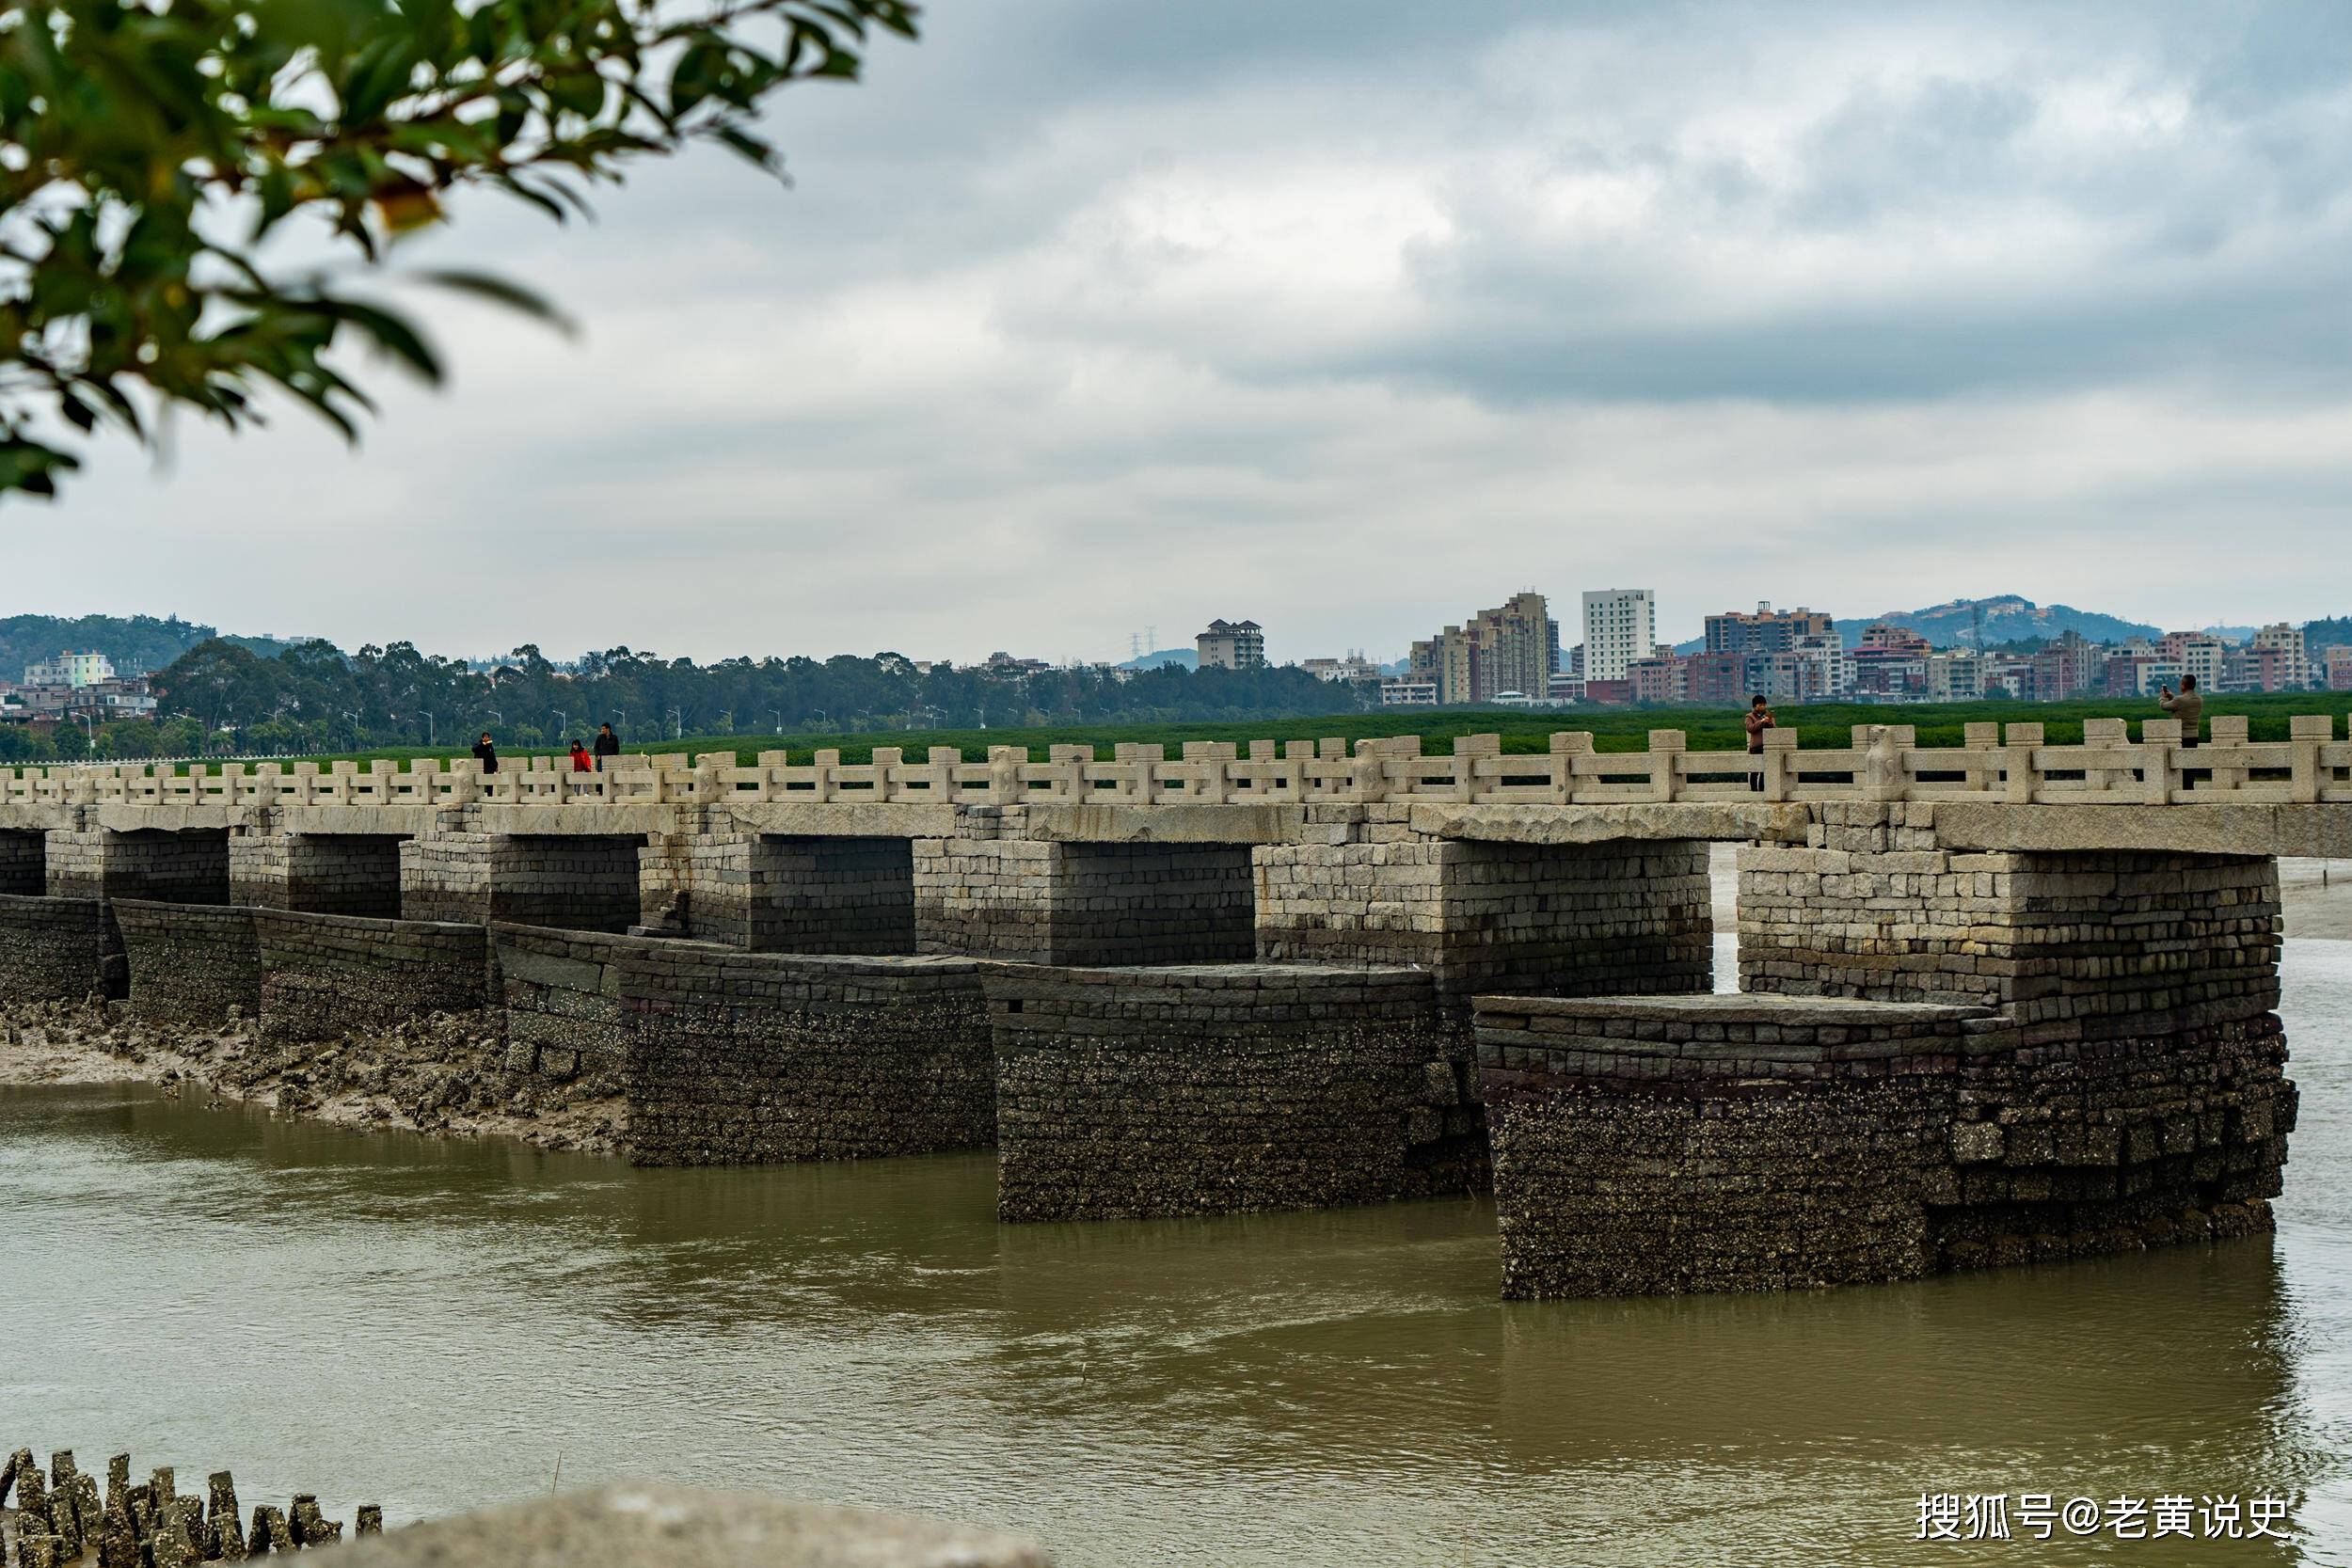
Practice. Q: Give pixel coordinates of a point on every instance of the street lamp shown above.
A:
(779, 717)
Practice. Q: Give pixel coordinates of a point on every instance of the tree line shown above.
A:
(220, 698)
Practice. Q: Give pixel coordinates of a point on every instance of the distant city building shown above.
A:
(1511, 647)
(1620, 626)
(70, 670)
(1003, 663)
(1766, 631)
(2288, 642)
(1886, 637)
(2197, 654)
(1955, 677)
(1231, 645)
(2339, 667)
(1354, 669)
(1408, 691)
(1570, 688)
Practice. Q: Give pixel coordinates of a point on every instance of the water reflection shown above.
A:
(432, 1324)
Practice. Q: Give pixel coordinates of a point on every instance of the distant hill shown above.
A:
(137, 644)
(2335, 631)
(1183, 658)
(2006, 619)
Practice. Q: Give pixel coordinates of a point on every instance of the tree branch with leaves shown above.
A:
(148, 151)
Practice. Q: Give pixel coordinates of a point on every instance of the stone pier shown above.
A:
(166, 865)
(1225, 1088)
(190, 963)
(727, 1057)
(322, 976)
(1945, 1059)
(568, 882)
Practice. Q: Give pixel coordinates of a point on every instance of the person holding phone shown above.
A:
(1759, 719)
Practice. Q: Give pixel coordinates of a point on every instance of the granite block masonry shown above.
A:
(24, 864)
(733, 1057)
(1577, 919)
(190, 963)
(1225, 1088)
(323, 976)
(166, 865)
(1945, 1059)
(1731, 1143)
(60, 950)
(568, 882)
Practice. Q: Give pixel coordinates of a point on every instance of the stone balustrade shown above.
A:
(2002, 763)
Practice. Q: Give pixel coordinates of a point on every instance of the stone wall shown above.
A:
(2071, 945)
(446, 876)
(1764, 1142)
(1225, 1088)
(754, 1060)
(985, 898)
(325, 975)
(813, 895)
(731, 1057)
(587, 882)
(24, 865)
(1152, 904)
(583, 882)
(189, 866)
(58, 950)
(190, 963)
(353, 874)
(1548, 919)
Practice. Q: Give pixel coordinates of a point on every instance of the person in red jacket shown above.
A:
(581, 761)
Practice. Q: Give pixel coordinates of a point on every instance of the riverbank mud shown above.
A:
(444, 1074)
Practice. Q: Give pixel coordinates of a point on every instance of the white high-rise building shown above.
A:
(1620, 626)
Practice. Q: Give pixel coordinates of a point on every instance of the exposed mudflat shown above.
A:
(437, 1075)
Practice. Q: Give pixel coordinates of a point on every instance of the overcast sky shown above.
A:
(1353, 318)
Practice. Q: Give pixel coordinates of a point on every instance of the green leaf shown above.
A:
(504, 291)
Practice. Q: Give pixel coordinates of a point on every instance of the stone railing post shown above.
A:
(1004, 774)
(1666, 751)
(1467, 749)
(1883, 777)
(2023, 783)
(1980, 745)
(2107, 734)
(1070, 765)
(887, 761)
(1566, 746)
(824, 774)
(2306, 734)
(2159, 740)
(2229, 730)
(941, 763)
(1780, 770)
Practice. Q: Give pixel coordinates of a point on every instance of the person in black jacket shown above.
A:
(487, 754)
(608, 745)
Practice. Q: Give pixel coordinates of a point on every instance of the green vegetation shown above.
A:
(150, 149)
(136, 643)
(1822, 726)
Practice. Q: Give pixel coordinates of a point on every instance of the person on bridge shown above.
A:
(2188, 706)
(581, 762)
(487, 753)
(608, 745)
(1759, 719)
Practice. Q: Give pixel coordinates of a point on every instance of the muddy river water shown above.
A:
(431, 1325)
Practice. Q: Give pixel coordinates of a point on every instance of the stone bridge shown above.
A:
(2002, 1001)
